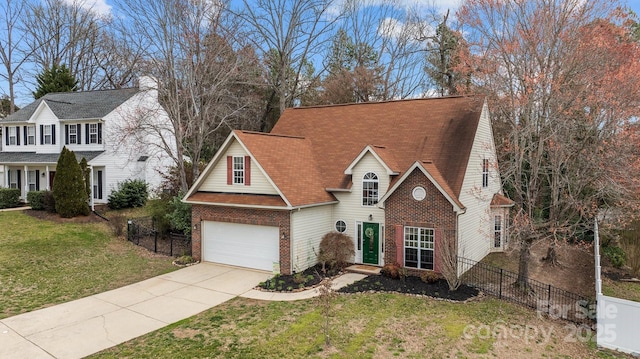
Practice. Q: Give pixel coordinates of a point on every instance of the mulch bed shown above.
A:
(54, 217)
(373, 283)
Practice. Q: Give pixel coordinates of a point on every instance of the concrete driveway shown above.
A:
(89, 325)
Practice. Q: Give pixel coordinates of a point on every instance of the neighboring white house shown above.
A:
(400, 177)
(101, 126)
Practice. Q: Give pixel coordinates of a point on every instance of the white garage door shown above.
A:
(242, 245)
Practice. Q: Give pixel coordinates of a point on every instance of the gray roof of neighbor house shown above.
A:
(32, 157)
(76, 105)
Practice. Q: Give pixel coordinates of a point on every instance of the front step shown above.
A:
(363, 269)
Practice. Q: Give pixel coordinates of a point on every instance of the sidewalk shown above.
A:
(89, 325)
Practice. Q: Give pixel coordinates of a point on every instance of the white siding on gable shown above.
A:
(350, 209)
(216, 181)
(308, 225)
(475, 226)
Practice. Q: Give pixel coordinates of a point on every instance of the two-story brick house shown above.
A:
(399, 177)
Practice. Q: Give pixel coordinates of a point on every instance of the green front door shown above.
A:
(370, 242)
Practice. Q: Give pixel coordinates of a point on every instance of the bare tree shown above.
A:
(562, 85)
(288, 34)
(14, 51)
(66, 33)
(206, 76)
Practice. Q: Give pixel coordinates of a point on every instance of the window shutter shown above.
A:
(229, 170)
(66, 134)
(78, 134)
(99, 184)
(53, 134)
(18, 135)
(42, 134)
(247, 170)
(399, 239)
(8, 178)
(6, 132)
(19, 185)
(37, 180)
(24, 129)
(86, 133)
(100, 133)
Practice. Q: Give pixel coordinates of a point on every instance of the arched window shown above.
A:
(369, 189)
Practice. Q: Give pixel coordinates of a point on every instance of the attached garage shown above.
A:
(243, 245)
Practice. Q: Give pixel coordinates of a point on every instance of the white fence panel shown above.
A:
(619, 324)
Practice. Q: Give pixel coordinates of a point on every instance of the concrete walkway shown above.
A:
(89, 325)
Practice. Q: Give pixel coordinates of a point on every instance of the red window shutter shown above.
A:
(229, 170)
(247, 171)
(437, 243)
(399, 238)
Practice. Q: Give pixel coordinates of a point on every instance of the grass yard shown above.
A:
(43, 263)
(364, 325)
(620, 289)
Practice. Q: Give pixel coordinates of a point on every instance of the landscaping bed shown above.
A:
(410, 285)
(306, 279)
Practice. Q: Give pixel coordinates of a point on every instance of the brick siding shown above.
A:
(435, 211)
(261, 217)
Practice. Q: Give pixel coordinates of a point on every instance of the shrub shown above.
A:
(68, 186)
(130, 194)
(430, 277)
(391, 270)
(335, 251)
(36, 200)
(615, 255)
(49, 202)
(118, 223)
(9, 197)
(180, 215)
(159, 211)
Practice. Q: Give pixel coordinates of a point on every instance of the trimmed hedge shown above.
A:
(9, 197)
(36, 200)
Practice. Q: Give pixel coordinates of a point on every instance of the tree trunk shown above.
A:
(552, 255)
(523, 265)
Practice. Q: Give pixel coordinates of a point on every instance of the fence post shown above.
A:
(155, 241)
(549, 301)
(171, 244)
(500, 295)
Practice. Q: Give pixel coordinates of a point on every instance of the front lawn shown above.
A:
(364, 325)
(43, 263)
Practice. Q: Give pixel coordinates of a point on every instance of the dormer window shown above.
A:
(31, 135)
(238, 170)
(370, 189)
(93, 133)
(47, 134)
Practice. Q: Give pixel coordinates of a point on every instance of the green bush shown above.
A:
(9, 197)
(49, 202)
(68, 187)
(36, 200)
(180, 215)
(130, 194)
(159, 211)
(615, 255)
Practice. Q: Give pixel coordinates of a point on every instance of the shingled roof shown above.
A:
(436, 130)
(76, 105)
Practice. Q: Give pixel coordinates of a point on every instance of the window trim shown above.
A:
(422, 234)
(238, 170)
(73, 131)
(342, 224)
(93, 132)
(370, 196)
(45, 134)
(33, 173)
(13, 136)
(497, 231)
(31, 135)
(13, 179)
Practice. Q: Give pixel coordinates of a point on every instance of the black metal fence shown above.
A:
(142, 232)
(545, 298)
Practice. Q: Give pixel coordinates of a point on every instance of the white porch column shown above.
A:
(46, 178)
(93, 208)
(26, 181)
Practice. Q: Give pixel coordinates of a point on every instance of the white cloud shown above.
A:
(99, 7)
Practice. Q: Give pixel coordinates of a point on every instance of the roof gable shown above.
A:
(389, 165)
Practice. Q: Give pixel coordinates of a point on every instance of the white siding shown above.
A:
(217, 179)
(475, 226)
(308, 225)
(42, 116)
(351, 210)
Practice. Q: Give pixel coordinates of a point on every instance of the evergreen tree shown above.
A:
(86, 173)
(55, 79)
(69, 189)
